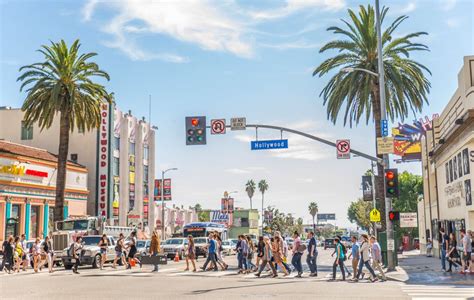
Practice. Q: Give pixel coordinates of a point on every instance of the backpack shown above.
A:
(301, 248)
(343, 251)
(70, 250)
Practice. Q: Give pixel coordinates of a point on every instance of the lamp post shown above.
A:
(163, 201)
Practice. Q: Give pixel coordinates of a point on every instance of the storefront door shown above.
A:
(12, 227)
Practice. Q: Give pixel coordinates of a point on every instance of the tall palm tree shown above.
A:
(250, 189)
(262, 187)
(313, 211)
(62, 86)
(356, 93)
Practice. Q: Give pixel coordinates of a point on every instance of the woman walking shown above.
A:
(267, 256)
(277, 254)
(103, 245)
(119, 252)
(191, 254)
(220, 259)
(47, 253)
(260, 249)
(155, 248)
(132, 251)
(250, 265)
(36, 254)
(7, 249)
(453, 255)
(365, 259)
(340, 257)
(18, 254)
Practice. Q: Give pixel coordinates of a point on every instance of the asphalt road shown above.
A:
(171, 282)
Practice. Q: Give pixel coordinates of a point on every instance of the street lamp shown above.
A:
(163, 201)
(351, 69)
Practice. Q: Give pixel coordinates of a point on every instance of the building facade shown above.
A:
(119, 156)
(448, 174)
(28, 190)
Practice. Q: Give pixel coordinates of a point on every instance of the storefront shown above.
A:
(448, 157)
(27, 190)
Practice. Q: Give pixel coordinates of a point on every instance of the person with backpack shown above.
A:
(312, 255)
(377, 256)
(340, 258)
(75, 251)
(298, 249)
(119, 252)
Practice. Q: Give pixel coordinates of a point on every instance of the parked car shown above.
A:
(143, 247)
(173, 245)
(90, 254)
(229, 247)
(329, 243)
(201, 244)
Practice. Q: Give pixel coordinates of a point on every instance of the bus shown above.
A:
(202, 229)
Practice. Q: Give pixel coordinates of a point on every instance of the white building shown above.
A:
(120, 158)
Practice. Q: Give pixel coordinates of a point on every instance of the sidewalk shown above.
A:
(418, 269)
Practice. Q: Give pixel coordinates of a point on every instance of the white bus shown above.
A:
(202, 229)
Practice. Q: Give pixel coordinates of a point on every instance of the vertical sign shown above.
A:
(367, 188)
(103, 160)
(167, 189)
(157, 190)
(384, 127)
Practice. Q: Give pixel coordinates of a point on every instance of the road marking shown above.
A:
(417, 292)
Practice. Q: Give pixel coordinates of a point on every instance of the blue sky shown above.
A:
(228, 59)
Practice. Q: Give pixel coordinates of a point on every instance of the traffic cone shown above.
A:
(176, 257)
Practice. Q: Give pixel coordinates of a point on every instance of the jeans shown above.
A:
(341, 266)
(443, 259)
(311, 261)
(296, 262)
(363, 263)
(155, 269)
(242, 261)
(287, 267)
(211, 257)
(263, 264)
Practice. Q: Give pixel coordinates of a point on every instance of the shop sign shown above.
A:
(103, 154)
(220, 217)
(20, 170)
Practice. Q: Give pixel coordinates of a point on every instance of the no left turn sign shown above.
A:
(343, 149)
(218, 126)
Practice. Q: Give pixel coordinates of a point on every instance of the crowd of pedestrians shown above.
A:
(463, 259)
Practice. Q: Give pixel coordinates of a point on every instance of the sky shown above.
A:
(231, 58)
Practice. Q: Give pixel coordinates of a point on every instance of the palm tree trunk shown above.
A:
(250, 203)
(379, 179)
(62, 163)
(314, 225)
(262, 211)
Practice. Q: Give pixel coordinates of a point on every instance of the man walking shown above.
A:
(312, 255)
(377, 257)
(75, 250)
(466, 252)
(211, 257)
(444, 247)
(355, 256)
(298, 250)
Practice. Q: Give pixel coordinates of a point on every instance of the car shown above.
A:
(329, 243)
(90, 253)
(175, 245)
(229, 247)
(143, 247)
(289, 242)
(201, 244)
(346, 241)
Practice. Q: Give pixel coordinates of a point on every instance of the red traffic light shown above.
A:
(195, 122)
(394, 215)
(390, 175)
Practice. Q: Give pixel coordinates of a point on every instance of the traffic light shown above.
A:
(195, 130)
(391, 183)
(394, 216)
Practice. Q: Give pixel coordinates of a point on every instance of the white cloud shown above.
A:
(88, 9)
(400, 9)
(294, 6)
(292, 45)
(237, 171)
(447, 4)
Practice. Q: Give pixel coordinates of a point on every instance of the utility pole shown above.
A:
(163, 201)
(381, 77)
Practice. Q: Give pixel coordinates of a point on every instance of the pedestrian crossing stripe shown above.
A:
(424, 292)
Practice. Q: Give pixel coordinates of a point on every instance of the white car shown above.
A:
(228, 247)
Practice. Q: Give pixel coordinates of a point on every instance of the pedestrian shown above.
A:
(103, 246)
(365, 259)
(429, 248)
(250, 255)
(467, 250)
(238, 250)
(132, 251)
(453, 255)
(75, 252)
(444, 247)
(211, 254)
(36, 255)
(312, 255)
(469, 232)
(155, 248)
(344, 250)
(297, 251)
(220, 258)
(18, 253)
(26, 257)
(119, 252)
(267, 256)
(191, 254)
(7, 250)
(242, 254)
(377, 256)
(47, 252)
(339, 261)
(355, 256)
(260, 246)
(277, 254)
(284, 246)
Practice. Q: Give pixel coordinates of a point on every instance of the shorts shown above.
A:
(103, 251)
(118, 253)
(466, 257)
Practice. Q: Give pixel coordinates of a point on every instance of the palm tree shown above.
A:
(313, 211)
(263, 187)
(250, 189)
(62, 85)
(356, 93)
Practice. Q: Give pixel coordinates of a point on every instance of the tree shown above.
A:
(250, 189)
(313, 211)
(62, 85)
(262, 187)
(357, 93)
(359, 213)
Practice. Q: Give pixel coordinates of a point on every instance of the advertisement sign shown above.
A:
(408, 220)
(157, 190)
(167, 189)
(268, 216)
(220, 217)
(103, 160)
(385, 145)
(367, 188)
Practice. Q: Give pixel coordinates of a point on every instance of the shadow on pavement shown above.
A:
(199, 292)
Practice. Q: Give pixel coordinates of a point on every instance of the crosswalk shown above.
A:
(437, 292)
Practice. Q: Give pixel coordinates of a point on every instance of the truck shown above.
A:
(65, 232)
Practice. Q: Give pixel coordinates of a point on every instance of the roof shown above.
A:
(27, 151)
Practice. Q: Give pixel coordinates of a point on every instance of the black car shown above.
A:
(329, 243)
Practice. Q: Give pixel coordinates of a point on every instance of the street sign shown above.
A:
(374, 215)
(367, 188)
(390, 245)
(408, 220)
(326, 217)
(384, 127)
(238, 123)
(385, 145)
(218, 126)
(343, 149)
(269, 144)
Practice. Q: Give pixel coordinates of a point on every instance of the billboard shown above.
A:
(367, 188)
(326, 217)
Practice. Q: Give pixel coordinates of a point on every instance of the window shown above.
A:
(131, 148)
(145, 174)
(26, 131)
(116, 143)
(34, 221)
(116, 167)
(145, 152)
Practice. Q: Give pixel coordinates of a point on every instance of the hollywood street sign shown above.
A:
(269, 144)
